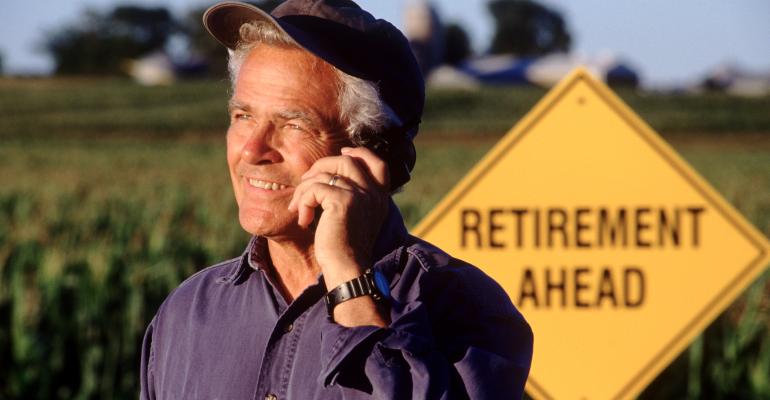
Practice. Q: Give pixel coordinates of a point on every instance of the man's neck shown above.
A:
(294, 267)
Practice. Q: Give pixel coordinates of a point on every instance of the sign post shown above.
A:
(615, 250)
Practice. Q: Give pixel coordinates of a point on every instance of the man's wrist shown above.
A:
(372, 284)
(339, 275)
(361, 311)
(362, 285)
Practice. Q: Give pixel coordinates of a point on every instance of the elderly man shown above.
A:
(332, 299)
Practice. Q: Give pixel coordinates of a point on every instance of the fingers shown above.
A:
(358, 164)
(313, 190)
(325, 178)
(345, 166)
(378, 169)
(334, 180)
(359, 172)
(311, 194)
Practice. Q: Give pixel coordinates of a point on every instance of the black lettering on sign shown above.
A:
(557, 222)
(470, 222)
(695, 211)
(582, 287)
(640, 227)
(581, 226)
(606, 289)
(633, 287)
(668, 227)
(528, 289)
(610, 228)
(551, 285)
(518, 214)
(494, 227)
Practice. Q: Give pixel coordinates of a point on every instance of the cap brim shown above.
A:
(224, 20)
(325, 39)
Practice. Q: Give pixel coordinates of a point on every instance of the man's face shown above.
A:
(283, 117)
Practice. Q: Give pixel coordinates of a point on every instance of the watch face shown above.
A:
(382, 283)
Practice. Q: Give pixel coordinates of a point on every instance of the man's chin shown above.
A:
(267, 224)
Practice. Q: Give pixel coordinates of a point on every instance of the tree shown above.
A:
(100, 42)
(457, 46)
(526, 28)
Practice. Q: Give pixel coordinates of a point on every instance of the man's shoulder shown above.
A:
(431, 258)
(428, 256)
(210, 278)
(222, 272)
(447, 275)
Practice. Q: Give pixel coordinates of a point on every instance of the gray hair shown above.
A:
(362, 111)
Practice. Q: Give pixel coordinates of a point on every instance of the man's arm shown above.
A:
(451, 332)
(352, 211)
(146, 372)
(454, 334)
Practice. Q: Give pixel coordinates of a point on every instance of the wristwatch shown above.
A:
(371, 283)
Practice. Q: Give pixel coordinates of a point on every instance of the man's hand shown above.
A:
(353, 211)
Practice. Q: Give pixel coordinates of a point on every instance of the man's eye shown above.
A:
(297, 127)
(240, 116)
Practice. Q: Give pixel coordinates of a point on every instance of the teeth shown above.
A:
(266, 185)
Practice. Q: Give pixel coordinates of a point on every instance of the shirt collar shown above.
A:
(256, 253)
(247, 262)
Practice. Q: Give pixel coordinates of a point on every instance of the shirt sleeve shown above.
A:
(454, 334)
(146, 372)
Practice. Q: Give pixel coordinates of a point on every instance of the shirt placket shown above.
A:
(281, 351)
(280, 357)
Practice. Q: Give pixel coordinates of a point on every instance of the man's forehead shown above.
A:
(286, 83)
(284, 58)
(274, 64)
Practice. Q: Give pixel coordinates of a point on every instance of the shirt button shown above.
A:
(271, 396)
(288, 328)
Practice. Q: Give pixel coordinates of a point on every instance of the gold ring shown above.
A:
(333, 180)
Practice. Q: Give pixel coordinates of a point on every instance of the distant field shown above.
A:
(82, 107)
(111, 194)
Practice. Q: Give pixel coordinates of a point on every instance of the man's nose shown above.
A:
(261, 148)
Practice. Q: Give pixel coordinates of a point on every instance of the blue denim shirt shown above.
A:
(227, 333)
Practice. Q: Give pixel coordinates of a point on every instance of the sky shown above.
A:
(670, 42)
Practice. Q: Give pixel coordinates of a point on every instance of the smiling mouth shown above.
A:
(258, 183)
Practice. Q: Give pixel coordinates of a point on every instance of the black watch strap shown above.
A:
(362, 286)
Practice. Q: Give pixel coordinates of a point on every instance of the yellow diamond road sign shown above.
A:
(613, 248)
